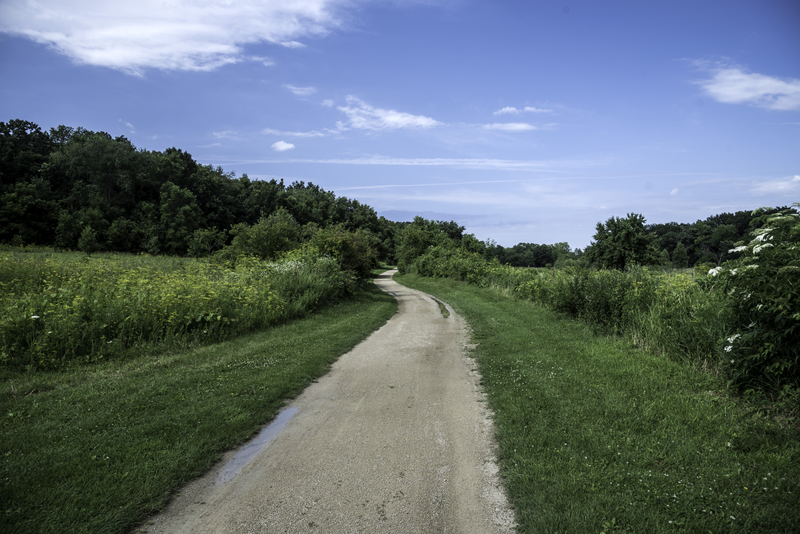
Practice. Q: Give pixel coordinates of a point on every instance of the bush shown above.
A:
(355, 252)
(763, 350)
(449, 261)
(88, 241)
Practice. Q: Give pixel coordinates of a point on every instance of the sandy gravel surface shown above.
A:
(396, 438)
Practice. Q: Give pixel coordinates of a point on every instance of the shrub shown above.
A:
(355, 252)
(763, 349)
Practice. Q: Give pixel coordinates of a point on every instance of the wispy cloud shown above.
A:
(510, 126)
(292, 44)
(509, 110)
(228, 134)
(362, 116)
(266, 61)
(301, 91)
(327, 103)
(314, 133)
(734, 85)
(530, 109)
(129, 125)
(462, 163)
(282, 146)
(437, 184)
(135, 36)
(778, 186)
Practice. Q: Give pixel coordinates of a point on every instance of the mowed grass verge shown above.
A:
(595, 436)
(100, 448)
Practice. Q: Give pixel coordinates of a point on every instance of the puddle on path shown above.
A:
(255, 445)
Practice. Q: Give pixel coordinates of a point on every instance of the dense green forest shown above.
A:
(58, 186)
(73, 188)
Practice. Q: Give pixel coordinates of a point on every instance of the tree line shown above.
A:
(74, 188)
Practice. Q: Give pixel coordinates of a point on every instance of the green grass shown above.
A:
(99, 448)
(595, 436)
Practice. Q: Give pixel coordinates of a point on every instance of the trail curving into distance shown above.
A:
(395, 438)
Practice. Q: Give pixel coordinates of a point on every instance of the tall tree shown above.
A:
(180, 217)
(621, 243)
(680, 259)
(24, 147)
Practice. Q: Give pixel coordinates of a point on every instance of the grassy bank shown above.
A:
(596, 436)
(99, 448)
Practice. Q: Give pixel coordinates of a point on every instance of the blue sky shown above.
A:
(525, 121)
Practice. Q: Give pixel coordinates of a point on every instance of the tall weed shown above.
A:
(55, 311)
(666, 312)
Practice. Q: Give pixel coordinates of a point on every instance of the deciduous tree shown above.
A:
(621, 243)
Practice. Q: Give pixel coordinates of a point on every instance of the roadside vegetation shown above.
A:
(596, 435)
(99, 448)
(740, 321)
(59, 309)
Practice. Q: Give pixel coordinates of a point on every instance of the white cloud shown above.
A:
(437, 184)
(227, 134)
(461, 163)
(673, 192)
(314, 133)
(165, 34)
(778, 186)
(282, 146)
(327, 103)
(362, 116)
(510, 126)
(527, 109)
(301, 91)
(732, 85)
(266, 61)
(292, 44)
(129, 125)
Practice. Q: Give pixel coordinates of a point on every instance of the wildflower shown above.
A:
(763, 235)
(733, 338)
(728, 349)
(715, 271)
(738, 249)
(34, 316)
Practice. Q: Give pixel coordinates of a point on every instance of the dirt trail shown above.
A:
(395, 439)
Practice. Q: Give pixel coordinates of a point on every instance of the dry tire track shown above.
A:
(395, 438)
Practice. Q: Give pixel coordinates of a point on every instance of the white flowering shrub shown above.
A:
(764, 287)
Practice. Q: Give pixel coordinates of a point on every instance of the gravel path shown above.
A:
(396, 438)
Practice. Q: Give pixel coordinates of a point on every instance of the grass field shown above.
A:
(98, 448)
(596, 436)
